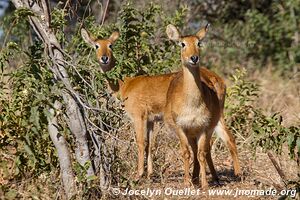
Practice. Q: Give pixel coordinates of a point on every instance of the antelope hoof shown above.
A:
(195, 180)
(215, 180)
(149, 175)
(204, 185)
(238, 173)
(138, 176)
(187, 183)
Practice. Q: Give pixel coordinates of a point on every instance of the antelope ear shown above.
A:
(202, 32)
(173, 33)
(114, 36)
(87, 38)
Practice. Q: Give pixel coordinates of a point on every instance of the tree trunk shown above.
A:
(41, 25)
(78, 129)
(63, 153)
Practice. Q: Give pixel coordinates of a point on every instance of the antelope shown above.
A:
(193, 110)
(144, 99)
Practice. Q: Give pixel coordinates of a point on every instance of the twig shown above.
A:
(277, 167)
(104, 14)
(74, 67)
(110, 135)
(8, 32)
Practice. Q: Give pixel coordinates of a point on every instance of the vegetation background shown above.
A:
(253, 45)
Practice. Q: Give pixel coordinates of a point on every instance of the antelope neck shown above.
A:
(192, 87)
(113, 84)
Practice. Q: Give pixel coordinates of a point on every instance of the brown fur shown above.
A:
(194, 108)
(144, 99)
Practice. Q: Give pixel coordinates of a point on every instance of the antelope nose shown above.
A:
(104, 59)
(194, 59)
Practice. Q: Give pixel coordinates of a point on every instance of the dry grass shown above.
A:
(277, 95)
(280, 95)
(258, 172)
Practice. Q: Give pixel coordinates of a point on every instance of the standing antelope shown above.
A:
(144, 99)
(193, 110)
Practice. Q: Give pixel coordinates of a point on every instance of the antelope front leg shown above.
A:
(202, 159)
(208, 156)
(186, 155)
(196, 169)
(184, 145)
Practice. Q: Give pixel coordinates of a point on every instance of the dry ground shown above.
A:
(277, 95)
(259, 173)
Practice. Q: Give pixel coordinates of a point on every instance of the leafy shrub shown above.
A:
(33, 89)
(143, 47)
(249, 121)
(239, 104)
(23, 118)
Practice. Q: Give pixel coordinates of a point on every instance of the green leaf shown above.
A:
(91, 178)
(35, 116)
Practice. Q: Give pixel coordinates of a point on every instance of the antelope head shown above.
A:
(103, 49)
(190, 45)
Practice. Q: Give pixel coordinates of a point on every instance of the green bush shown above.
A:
(143, 47)
(31, 90)
(249, 121)
(24, 109)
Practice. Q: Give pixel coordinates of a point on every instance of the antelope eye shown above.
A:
(199, 44)
(182, 44)
(97, 46)
(110, 46)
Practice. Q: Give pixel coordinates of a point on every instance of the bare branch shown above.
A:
(77, 126)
